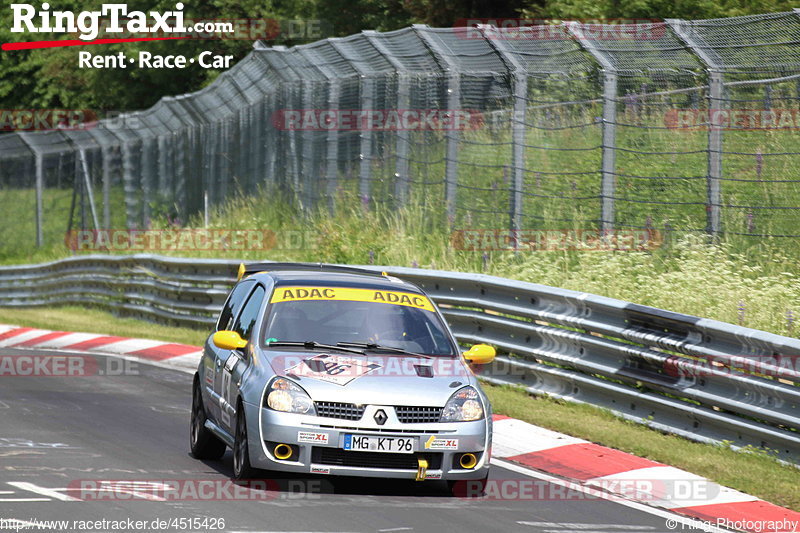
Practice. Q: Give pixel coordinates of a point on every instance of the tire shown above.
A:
(241, 452)
(203, 443)
(468, 488)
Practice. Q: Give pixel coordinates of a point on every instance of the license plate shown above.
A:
(371, 443)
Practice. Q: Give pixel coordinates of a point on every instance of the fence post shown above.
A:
(609, 184)
(519, 84)
(450, 69)
(39, 190)
(609, 163)
(332, 143)
(402, 137)
(367, 89)
(716, 97)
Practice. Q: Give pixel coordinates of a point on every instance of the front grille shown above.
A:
(397, 461)
(346, 411)
(379, 430)
(417, 415)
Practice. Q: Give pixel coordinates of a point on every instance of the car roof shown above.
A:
(338, 279)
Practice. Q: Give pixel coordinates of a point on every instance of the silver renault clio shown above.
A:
(335, 370)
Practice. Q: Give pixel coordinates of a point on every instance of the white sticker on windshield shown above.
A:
(332, 368)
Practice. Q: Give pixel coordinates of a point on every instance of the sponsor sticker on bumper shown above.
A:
(312, 438)
(441, 444)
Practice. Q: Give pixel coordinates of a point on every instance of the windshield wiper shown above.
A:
(313, 345)
(373, 346)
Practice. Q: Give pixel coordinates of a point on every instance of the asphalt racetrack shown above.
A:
(95, 451)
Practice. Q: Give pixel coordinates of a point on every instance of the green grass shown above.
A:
(754, 473)
(758, 288)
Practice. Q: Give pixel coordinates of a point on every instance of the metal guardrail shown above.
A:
(695, 377)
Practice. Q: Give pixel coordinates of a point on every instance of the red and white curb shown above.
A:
(635, 478)
(178, 355)
(581, 463)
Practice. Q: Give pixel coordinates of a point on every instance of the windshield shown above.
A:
(332, 315)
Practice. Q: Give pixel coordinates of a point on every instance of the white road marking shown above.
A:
(127, 346)
(515, 437)
(4, 329)
(395, 529)
(567, 525)
(673, 488)
(50, 493)
(12, 500)
(689, 522)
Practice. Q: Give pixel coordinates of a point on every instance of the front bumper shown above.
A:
(318, 443)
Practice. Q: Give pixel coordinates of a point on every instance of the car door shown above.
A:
(214, 357)
(237, 361)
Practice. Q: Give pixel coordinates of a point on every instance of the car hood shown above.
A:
(373, 379)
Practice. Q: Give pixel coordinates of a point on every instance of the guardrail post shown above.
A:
(609, 162)
(453, 135)
(712, 62)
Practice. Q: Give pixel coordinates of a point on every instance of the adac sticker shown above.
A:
(314, 438)
(332, 368)
(291, 294)
(441, 444)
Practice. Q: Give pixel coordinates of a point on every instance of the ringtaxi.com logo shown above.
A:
(28, 18)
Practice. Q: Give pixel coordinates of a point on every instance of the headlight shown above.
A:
(463, 406)
(289, 397)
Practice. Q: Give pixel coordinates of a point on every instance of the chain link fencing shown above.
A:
(688, 126)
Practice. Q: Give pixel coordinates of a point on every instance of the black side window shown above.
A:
(249, 314)
(234, 301)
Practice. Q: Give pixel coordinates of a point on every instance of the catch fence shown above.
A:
(688, 126)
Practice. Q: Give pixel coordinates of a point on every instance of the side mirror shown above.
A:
(228, 340)
(480, 354)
